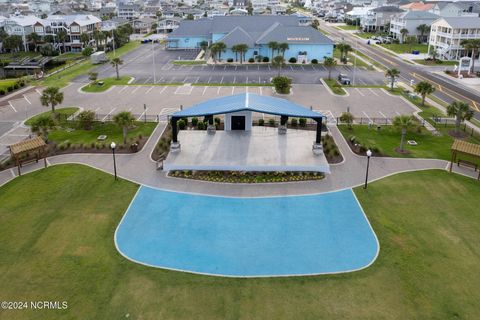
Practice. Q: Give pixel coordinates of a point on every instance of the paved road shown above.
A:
(447, 91)
(139, 64)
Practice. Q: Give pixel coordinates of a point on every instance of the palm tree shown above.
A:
(278, 62)
(235, 50)
(204, 46)
(392, 73)
(34, 38)
(62, 37)
(51, 96)
(273, 45)
(474, 46)
(423, 29)
(116, 62)
(282, 47)
(42, 125)
(424, 88)
(329, 63)
(344, 48)
(221, 48)
(403, 122)
(403, 32)
(124, 120)
(214, 51)
(461, 111)
(242, 49)
(84, 39)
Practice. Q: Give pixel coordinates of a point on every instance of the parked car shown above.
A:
(344, 79)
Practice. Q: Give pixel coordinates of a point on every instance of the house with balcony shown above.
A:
(378, 19)
(457, 9)
(167, 25)
(447, 33)
(410, 21)
(128, 11)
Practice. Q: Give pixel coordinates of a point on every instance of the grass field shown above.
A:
(189, 62)
(335, 86)
(63, 78)
(406, 48)
(66, 112)
(347, 27)
(5, 83)
(59, 245)
(110, 129)
(107, 84)
(351, 58)
(431, 63)
(387, 139)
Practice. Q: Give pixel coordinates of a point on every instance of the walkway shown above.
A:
(140, 168)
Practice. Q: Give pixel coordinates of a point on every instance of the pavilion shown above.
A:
(243, 147)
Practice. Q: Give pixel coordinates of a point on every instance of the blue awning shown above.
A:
(250, 102)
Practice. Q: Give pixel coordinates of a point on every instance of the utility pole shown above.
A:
(153, 62)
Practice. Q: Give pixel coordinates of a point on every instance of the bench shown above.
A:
(467, 164)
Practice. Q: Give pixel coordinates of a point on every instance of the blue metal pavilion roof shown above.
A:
(250, 102)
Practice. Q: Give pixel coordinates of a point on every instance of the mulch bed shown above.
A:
(458, 135)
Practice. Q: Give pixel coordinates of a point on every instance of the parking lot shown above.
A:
(141, 65)
(157, 102)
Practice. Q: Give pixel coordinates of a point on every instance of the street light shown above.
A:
(369, 154)
(144, 113)
(113, 146)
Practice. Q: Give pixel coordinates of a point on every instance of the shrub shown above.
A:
(230, 60)
(261, 122)
(314, 61)
(303, 122)
(294, 122)
(292, 60)
(271, 122)
(21, 83)
(85, 119)
(282, 84)
(87, 51)
(2, 92)
(181, 124)
(194, 121)
(217, 121)
(9, 89)
(201, 126)
(266, 59)
(92, 145)
(251, 60)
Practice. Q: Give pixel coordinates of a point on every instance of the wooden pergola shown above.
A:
(466, 148)
(35, 145)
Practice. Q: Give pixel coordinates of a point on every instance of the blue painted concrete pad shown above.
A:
(247, 237)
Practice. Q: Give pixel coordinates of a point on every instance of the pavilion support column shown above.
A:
(317, 145)
(175, 145)
(211, 126)
(282, 128)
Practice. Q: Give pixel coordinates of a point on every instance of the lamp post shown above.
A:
(369, 154)
(144, 113)
(113, 146)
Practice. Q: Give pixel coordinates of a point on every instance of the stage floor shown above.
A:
(261, 149)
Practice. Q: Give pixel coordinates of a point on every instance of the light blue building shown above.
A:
(305, 43)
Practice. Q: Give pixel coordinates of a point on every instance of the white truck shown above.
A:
(98, 57)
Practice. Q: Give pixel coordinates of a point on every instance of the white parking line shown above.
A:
(362, 82)
(124, 88)
(373, 92)
(303, 68)
(11, 105)
(398, 113)
(221, 81)
(140, 117)
(225, 68)
(233, 90)
(134, 90)
(268, 67)
(37, 91)
(259, 80)
(366, 115)
(198, 78)
(291, 68)
(163, 89)
(218, 90)
(234, 79)
(111, 113)
(209, 79)
(381, 113)
(360, 92)
(148, 79)
(314, 68)
(150, 89)
(130, 109)
(261, 93)
(25, 97)
(204, 90)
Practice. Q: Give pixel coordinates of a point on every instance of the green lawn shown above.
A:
(63, 78)
(406, 48)
(335, 86)
(387, 139)
(366, 35)
(189, 62)
(107, 83)
(113, 132)
(348, 27)
(351, 58)
(5, 83)
(65, 112)
(59, 245)
(438, 64)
